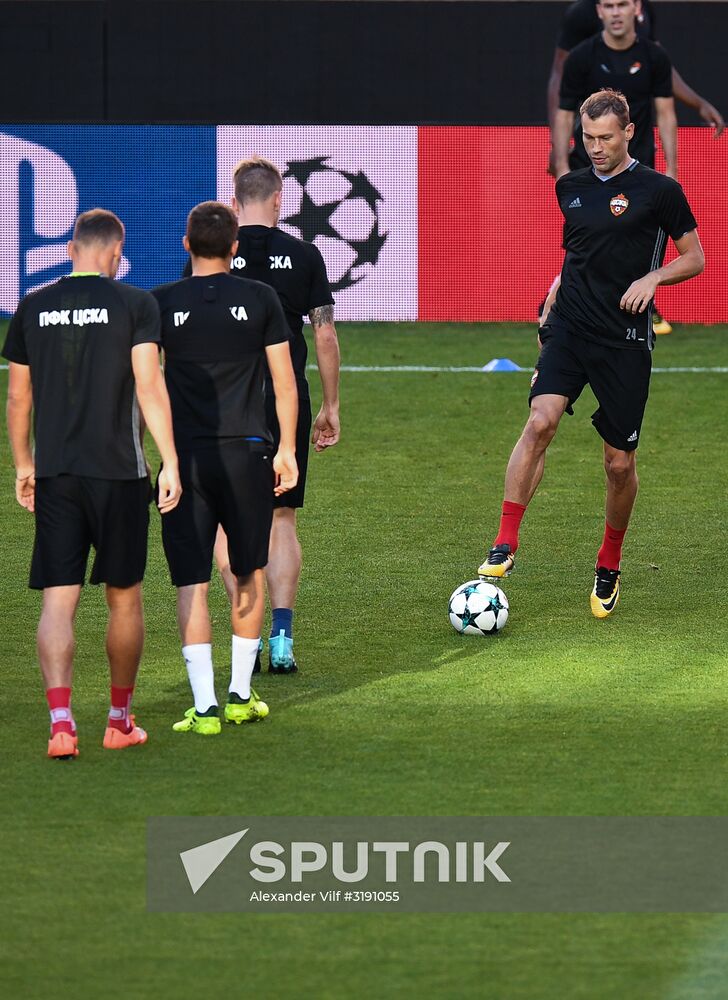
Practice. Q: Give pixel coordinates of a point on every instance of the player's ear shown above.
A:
(69, 248)
(186, 243)
(629, 131)
(234, 248)
(235, 206)
(114, 259)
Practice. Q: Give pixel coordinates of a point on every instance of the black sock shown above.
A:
(235, 699)
(210, 713)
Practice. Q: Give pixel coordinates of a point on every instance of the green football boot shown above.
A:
(203, 725)
(239, 711)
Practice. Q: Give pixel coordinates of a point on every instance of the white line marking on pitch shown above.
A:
(446, 370)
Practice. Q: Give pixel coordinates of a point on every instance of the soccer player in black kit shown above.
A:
(580, 22)
(296, 270)
(218, 334)
(619, 58)
(84, 360)
(612, 44)
(618, 215)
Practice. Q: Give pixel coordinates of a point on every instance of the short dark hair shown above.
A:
(211, 229)
(256, 179)
(98, 226)
(606, 102)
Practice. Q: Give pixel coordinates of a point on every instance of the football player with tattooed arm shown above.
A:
(296, 270)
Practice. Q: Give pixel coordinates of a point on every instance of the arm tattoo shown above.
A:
(321, 316)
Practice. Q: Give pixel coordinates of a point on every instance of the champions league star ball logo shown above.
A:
(339, 212)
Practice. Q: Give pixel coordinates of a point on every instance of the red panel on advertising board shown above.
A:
(490, 229)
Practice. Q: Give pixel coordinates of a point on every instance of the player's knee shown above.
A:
(285, 516)
(540, 428)
(620, 467)
(124, 598)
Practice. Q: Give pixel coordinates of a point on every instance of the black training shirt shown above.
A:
(215, 330)
(642, 72)
(295, 269)
(615, 232)
(581, 21)
(77, 336)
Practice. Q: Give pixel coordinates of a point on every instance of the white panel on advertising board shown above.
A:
(351, 190)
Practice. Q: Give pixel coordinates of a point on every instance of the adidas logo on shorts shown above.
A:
(633, 437)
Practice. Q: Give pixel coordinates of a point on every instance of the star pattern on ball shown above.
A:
(478, 608)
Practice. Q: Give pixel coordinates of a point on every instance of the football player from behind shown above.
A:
(296, 270)
(220, 335)
(84, 362)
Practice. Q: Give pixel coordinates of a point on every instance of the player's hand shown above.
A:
(25, 488)
(639, 294)
(286, 471)
(713, 117)
(169, 488)
(326, 429)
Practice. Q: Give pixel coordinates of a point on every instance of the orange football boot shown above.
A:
(114, 739)
(63, 746)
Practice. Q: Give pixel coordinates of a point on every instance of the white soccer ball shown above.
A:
(478, 608)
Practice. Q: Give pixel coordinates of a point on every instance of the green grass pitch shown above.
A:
(393, 713)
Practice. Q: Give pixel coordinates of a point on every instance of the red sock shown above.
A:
(510, 522)
(119, 711)
(59, 703)
(610, 553)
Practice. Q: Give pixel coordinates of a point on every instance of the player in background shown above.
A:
(296, 270)
(618, 58)
(218, 333)
(624, 57)
(580, 22)
(618, 214)
(84, 360)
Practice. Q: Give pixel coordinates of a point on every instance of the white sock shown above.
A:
(244, 653)
(198, 660)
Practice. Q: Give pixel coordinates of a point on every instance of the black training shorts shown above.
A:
(294, 497)
(619, 378)
(229, 483)
(73, 513)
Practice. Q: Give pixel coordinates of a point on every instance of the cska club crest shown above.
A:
(619, 204)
